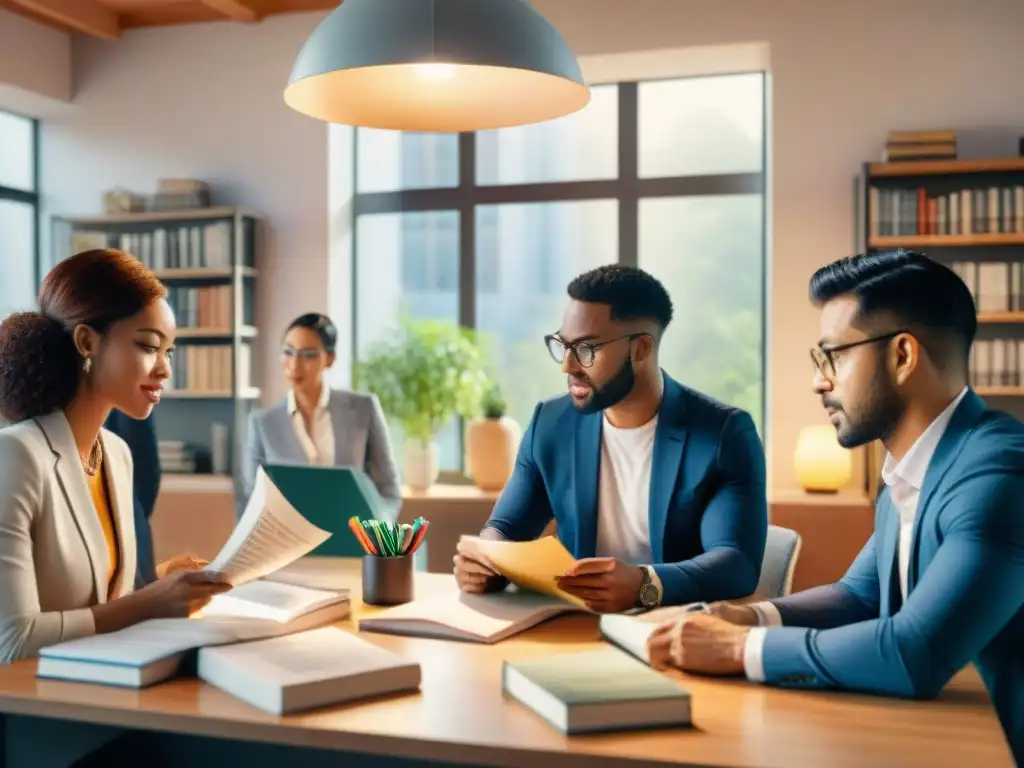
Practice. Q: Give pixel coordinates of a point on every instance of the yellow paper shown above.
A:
(530, 564)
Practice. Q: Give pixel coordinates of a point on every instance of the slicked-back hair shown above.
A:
(911, 290)
(631, 293)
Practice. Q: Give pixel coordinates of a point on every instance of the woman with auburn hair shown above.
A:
(101, 339)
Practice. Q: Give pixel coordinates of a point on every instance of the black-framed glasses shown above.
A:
(585, 351)
(823, 356)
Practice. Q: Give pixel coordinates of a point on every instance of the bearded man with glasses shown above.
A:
(940, 583)
(657, 490)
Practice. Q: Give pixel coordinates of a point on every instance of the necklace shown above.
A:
(91, 465)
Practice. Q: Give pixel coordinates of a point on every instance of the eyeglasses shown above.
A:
(585, 351)
(824, 359)
(304, 355)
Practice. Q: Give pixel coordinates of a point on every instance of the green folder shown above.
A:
(328, 497)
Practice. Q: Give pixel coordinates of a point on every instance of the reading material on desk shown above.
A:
(530, 564)
(151, 651)
(484, 618)
(600, 690)
(311, 669)
(270, 535)
(630, 632)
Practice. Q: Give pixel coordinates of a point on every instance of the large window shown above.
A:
(19, 213)
(487, 229)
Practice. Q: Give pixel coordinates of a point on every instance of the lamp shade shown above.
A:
(436, 65)
(821, 464)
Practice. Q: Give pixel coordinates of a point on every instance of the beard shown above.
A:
(612, 392)
(875, 420)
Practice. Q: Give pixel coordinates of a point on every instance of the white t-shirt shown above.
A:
(623, 527)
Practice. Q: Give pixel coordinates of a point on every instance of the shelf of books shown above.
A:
(208, 259)
(969, 214)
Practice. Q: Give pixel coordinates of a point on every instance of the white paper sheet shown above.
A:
(270, 535)
(262, 599)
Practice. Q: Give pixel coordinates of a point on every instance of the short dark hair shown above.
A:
(631, 293)
(321, 325)
(40, 366)
(918, 293)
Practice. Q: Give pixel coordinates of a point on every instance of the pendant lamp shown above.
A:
(436, 65)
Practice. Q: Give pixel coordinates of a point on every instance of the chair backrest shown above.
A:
(781, 551)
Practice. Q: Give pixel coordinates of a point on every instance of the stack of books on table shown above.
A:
(264, 641)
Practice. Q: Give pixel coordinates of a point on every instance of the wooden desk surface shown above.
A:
(461, 717)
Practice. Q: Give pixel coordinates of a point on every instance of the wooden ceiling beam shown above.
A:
(86, 16)
(236, 10)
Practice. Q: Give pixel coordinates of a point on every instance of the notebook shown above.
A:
(327, 497)
(601, 690)
(630, 631)
(485, 618)
(303, 671)
(154, 650)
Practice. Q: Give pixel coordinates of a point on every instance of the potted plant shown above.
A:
(491, 443)
(424, 373)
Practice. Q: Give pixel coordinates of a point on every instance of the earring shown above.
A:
(87, 365)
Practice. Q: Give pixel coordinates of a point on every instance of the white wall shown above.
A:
(205, 100)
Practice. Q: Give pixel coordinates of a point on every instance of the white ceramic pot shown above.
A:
(491, 446)
(420, 464)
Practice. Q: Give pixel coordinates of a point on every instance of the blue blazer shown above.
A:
(708, 510)
(965, 585)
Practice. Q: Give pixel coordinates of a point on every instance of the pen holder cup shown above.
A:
(387, 580)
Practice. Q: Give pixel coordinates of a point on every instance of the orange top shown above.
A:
(101, 501)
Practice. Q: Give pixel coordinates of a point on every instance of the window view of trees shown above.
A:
(547, 202)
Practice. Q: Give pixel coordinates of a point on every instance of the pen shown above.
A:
(384, 539)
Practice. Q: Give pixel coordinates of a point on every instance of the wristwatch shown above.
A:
(648, 596)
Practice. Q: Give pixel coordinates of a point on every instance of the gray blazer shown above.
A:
(361, 439)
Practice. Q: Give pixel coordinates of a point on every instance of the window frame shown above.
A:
(29, 197)
(627, 188)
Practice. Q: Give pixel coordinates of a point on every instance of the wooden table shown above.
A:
(460, 717)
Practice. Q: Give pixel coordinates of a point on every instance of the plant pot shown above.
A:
(420, 464)
(491, 446)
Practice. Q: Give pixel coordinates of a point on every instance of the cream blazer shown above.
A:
(53, 556)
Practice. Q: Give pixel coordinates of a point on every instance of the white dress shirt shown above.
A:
(318, 442)
(904, 480)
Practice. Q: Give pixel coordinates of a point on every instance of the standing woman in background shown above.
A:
(316, 425)
(101, 339)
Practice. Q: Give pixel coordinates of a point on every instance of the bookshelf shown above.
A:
(208, 258)
(969, 214)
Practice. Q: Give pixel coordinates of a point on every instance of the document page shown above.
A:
(487, 617)
(262, 599)
(530, 564)
(270, 535)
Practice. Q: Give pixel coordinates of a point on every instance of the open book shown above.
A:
(531, 565)
(270, 535)
(306, 670)
(476, 618)
(630, 631)
(152, 651)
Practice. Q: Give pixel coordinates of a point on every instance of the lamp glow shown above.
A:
(821, 464)
(375, 63)
(435, 72)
